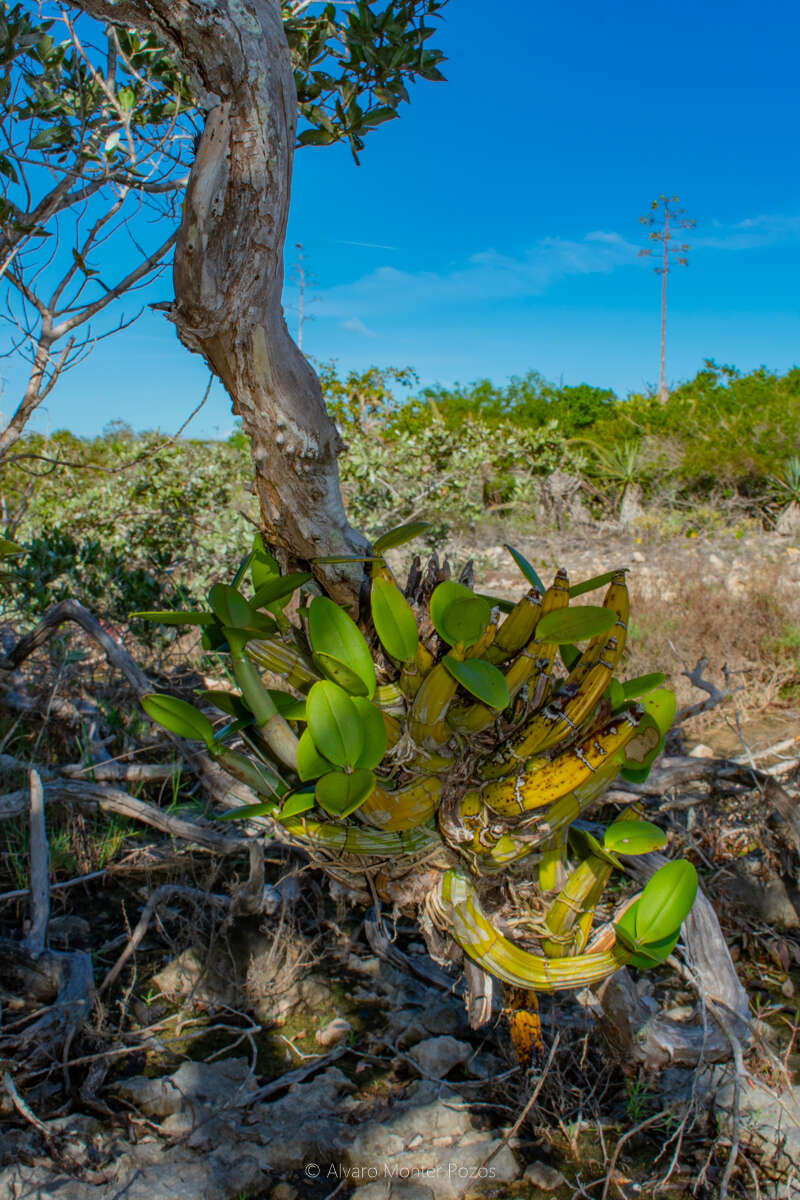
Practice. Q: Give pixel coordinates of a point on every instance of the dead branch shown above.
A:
(65, 980)
(40, 870)
(112, 799)
(124, 772)
(715, 696)
(73, 610)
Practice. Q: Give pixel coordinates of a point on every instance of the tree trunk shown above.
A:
(229, 264)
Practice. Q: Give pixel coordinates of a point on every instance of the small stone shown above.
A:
(283, 1191)
(637, 556)
(701, 750)
(543, 1176)
(437, 1056)
(188, 976)
(336, 1031)
(364, 966)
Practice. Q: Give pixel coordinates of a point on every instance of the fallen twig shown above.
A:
(534, 1096)
(22, 1108)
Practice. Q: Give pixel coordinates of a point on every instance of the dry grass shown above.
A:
(752, 632)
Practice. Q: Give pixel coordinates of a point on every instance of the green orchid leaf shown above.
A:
(267, 809)
(228, 702)
(335, 723)
(642, 684)
(279, 588)
(480, 679)
(458, 615)
(590, 585)
(666, 902)
(374, 731)
(288, 705)
(570, 655)
(297, 804)
(661, 705)
(399, 536)
(625, 928)
(340, 794)
(394, 620)
(261, 624)
(584, 845)
(528, 570)
(178, 717)
(339, 672)
(634, 837)
(229, 606)
(334, 634)
(644, 957)
(9, 549)
(615, 694)
(263, 566)
(175, 618)
(655, 953)
(575, 624)
(241, 570)
(226, 731)
(213, 638)
(310, 763)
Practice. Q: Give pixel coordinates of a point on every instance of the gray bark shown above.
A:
(228, 269)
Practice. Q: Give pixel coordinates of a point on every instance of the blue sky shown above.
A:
(494, 227)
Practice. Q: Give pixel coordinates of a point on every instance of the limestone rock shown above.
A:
(543, 1176)
(437, 1056)
(336, 1031)
(188, 976)
(194, 1086)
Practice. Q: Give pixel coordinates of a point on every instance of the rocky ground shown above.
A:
(284, 1059)
(283, 1067)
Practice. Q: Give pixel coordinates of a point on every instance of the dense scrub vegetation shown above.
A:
(132, 521)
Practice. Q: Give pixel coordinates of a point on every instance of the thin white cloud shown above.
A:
(767, 229)
(490, 276)
(486, 276)
(356, 325)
